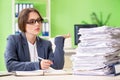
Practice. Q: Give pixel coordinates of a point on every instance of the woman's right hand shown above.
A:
(45, 64)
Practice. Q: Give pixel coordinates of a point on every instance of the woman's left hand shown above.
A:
(67, 35)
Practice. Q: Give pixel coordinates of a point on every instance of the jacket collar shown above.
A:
(25, 46)
(39, 43)
(40, 48)
(38, 40)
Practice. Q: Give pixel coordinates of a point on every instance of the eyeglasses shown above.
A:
(33, 21)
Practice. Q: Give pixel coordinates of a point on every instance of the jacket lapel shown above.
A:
(40, 48)
(25, 47)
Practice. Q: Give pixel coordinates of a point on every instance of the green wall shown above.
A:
(5, 27)
(64, 14)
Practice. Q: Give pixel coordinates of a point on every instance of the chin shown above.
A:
(36, 33)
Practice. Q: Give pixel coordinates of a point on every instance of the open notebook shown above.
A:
(42, 73)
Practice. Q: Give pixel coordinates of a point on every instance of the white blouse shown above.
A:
(33, 52)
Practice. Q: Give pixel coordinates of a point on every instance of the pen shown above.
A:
(40, 58)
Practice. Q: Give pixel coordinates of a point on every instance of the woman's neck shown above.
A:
(31, 38)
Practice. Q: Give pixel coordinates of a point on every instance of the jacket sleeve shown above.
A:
(58, 55)
(12, 60)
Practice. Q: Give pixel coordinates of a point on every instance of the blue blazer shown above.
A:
(17, 56)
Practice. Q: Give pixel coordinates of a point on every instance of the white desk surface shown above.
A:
(60, 77)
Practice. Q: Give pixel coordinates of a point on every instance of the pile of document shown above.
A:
(97, 51)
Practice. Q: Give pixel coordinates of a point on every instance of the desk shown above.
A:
(61, 77)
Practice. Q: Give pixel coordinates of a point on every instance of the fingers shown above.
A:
(48, 61)
(45, 64)
(67, 35)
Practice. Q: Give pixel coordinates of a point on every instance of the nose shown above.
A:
(37, 23)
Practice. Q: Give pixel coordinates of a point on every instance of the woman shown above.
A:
(24, 50)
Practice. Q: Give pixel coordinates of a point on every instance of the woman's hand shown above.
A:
(67, 35)
(45, 64)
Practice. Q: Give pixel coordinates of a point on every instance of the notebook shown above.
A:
(42, 73)
(29, 73)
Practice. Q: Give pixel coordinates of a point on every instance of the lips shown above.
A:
(37, 29)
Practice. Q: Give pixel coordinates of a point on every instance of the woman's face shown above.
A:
(34, 24)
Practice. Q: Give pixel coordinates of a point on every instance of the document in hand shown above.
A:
(42, 73)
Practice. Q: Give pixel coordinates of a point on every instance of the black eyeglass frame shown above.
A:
(33, 21)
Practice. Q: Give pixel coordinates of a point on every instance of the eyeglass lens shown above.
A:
(33, 21)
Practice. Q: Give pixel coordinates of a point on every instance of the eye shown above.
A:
(32, 21)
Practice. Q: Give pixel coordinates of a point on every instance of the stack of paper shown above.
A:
(98, 50)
